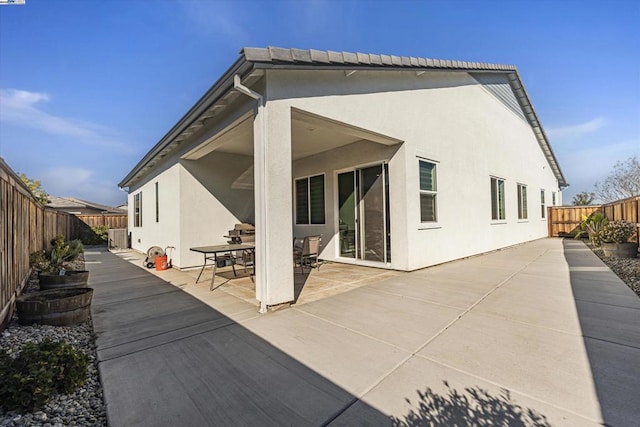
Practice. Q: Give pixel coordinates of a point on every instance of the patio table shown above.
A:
(211, 253)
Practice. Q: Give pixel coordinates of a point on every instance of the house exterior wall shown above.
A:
(210, 207)
(448, 118)
(164, 232)
(445, 117)
(197, 206)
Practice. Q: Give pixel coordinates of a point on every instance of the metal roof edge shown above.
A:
(534, 121)
(277, 56)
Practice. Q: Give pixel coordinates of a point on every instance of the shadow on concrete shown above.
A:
(300, 278)
(166, 358)
(609, 315)
(473, 407)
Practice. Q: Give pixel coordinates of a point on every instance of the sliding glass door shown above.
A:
(363, 213)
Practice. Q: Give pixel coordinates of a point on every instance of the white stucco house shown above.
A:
(398, 162)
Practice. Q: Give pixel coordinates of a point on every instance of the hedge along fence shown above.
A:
(25, 227)
(565, 220)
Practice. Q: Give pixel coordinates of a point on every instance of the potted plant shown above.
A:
(55, 265)
(615, 237)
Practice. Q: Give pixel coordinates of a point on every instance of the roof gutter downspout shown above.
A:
(261, 249)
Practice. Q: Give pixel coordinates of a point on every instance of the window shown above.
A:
(553, 198)
(522, 202)
(137, 210)
(310, 200)
(543, 208)
(497, 199)
(428, 192)
(157, 205)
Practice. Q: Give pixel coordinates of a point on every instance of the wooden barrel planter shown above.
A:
(57, 307)
(70, 279)
(620, 250)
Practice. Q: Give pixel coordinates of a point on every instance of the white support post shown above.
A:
(273, 205)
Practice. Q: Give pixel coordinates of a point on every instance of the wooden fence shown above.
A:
(25, 227)
(109, 220)
(565, 220)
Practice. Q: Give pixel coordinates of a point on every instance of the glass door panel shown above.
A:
(347, 214)
(363, 214)
(372, 212)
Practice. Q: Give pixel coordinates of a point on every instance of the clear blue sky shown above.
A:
(88, 87)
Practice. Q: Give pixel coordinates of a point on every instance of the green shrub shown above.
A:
(592, 225)
(96, 235)
(617, 232)
(39, 371)
(54, 258)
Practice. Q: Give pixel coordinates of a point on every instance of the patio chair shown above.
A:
(307, 253)
(245, 257)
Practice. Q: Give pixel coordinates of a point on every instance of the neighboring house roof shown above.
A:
(253, 60)
(73, 203)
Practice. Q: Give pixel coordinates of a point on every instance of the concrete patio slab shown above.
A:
(213, 379)
(541, 326)
(403, 322)
(600, 287)
(547, 306)
(348, 359)
(441, 396)
(616, 324)
(524, 358)
(456, 293)
(614, 370)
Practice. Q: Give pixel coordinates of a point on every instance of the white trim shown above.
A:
(429, 192)
(364, 263)
(428, 226)
(504, 187)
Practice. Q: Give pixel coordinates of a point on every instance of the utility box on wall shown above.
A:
(118, 238)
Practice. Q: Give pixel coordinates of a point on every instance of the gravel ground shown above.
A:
(84, 407)
(627, 269)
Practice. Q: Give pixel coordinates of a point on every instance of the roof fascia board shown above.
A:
(215, 92)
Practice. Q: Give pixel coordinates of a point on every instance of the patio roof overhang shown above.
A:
(318, 133)
(253, 61)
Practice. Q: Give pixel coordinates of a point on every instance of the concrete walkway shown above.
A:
(543, 332)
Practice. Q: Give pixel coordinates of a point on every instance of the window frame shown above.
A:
(137, 209)
(157, 202)
(523, 202)
(498, 206)
(433, 192)
(543, 204)
(308, 200)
